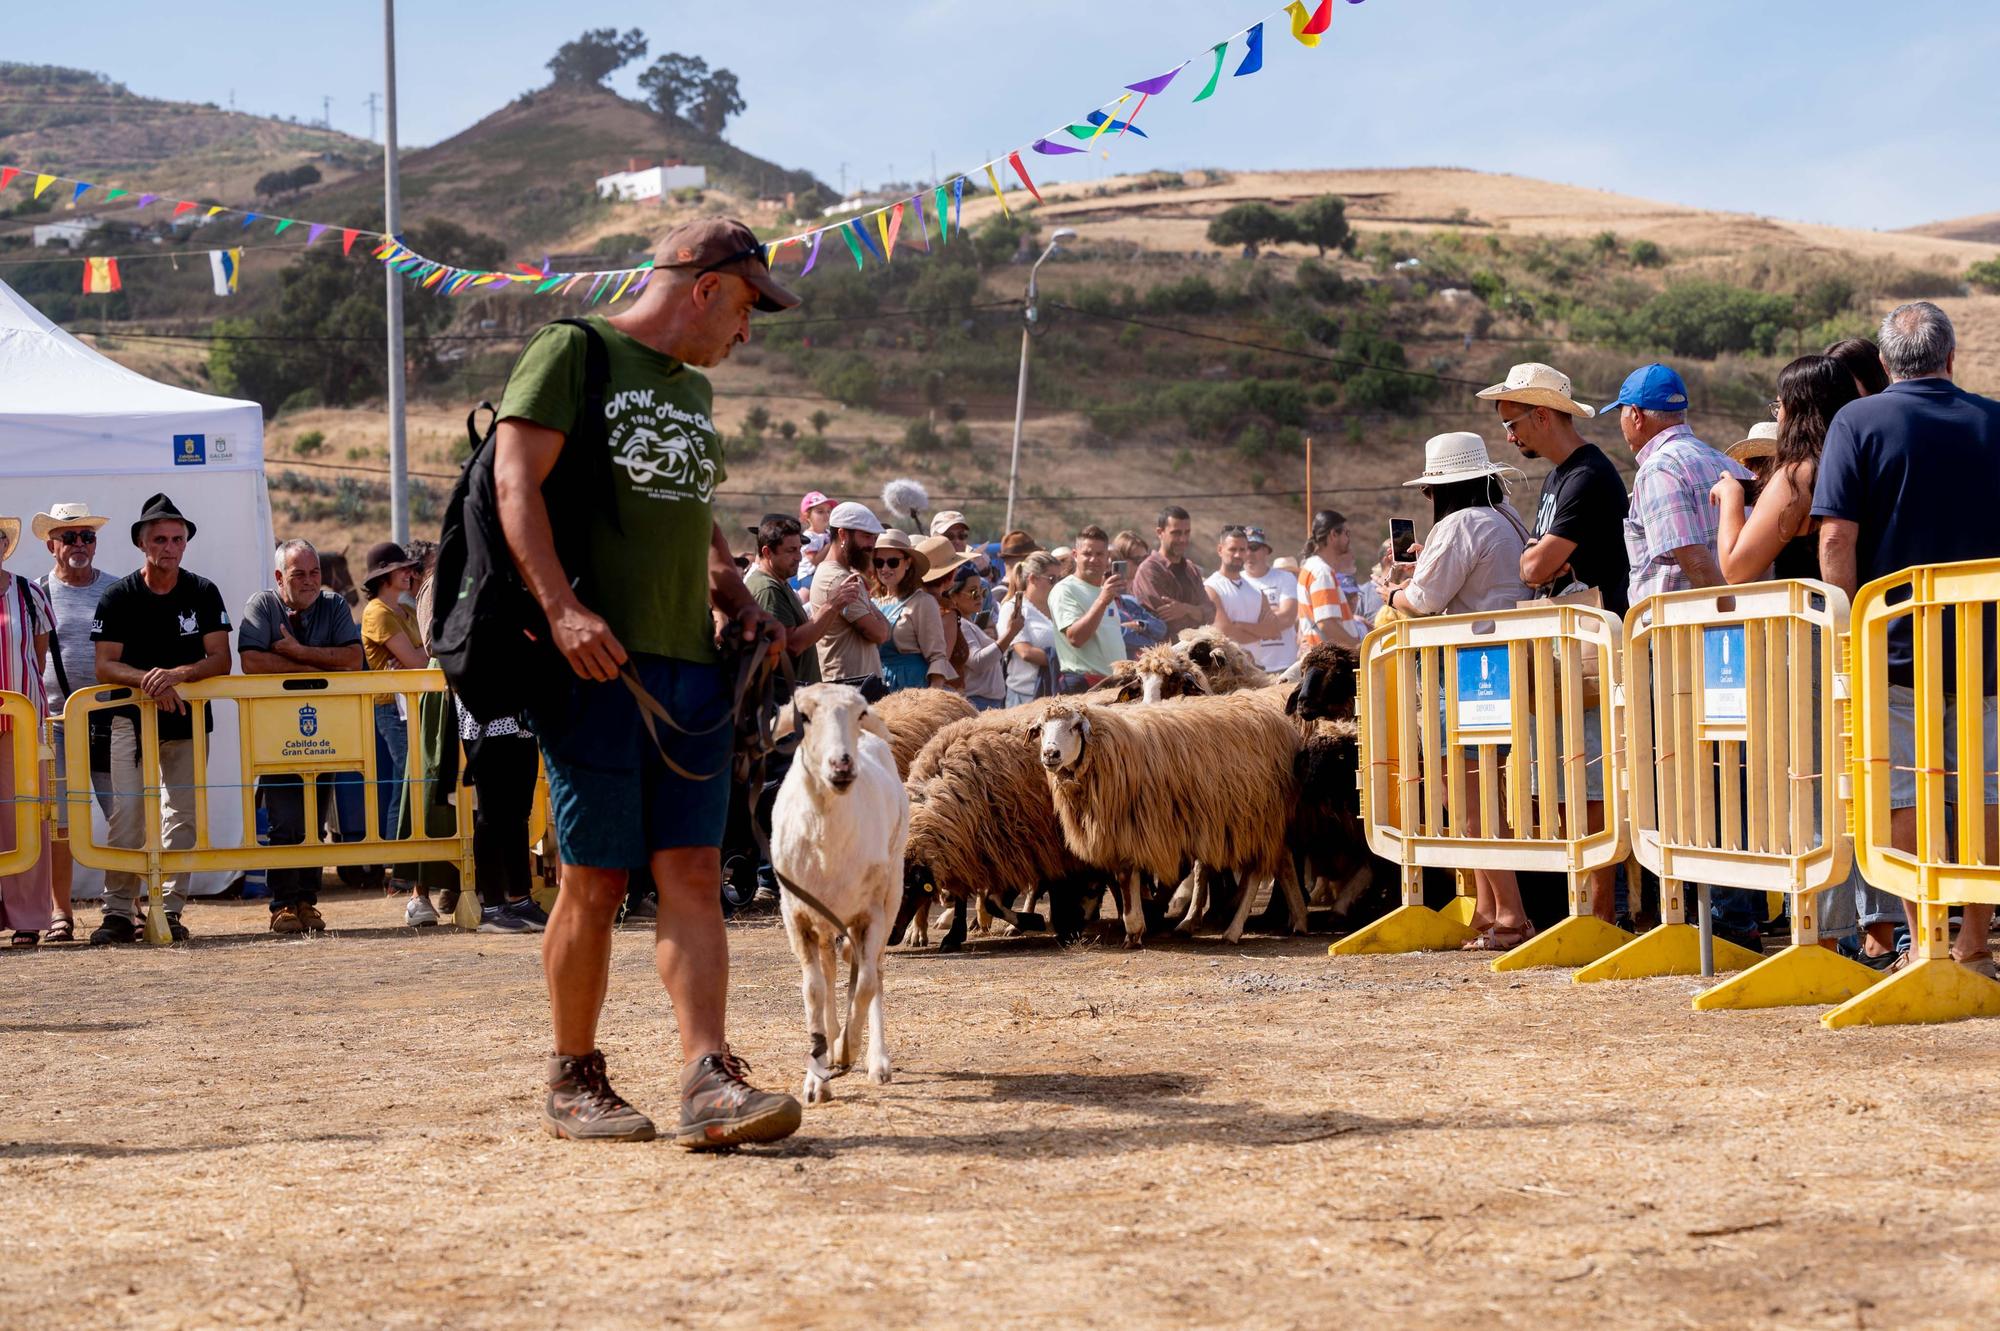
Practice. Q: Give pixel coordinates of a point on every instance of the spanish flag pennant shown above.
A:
(100, 277)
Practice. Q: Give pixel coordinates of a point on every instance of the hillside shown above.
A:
(1981, 230)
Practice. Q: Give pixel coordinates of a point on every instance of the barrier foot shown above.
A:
(1669, 949)
(1405, 929)
(1799, 976)
(1459, 910)
(157, 932)
(1577, 941)
(1935, 990)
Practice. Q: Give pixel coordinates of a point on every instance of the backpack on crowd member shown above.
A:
(487, 631)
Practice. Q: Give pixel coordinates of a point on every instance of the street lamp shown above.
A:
(1021, 394)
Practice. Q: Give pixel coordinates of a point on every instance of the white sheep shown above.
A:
(838, 829)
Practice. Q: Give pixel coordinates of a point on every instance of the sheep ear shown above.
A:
(1292, 703)
(875, 725)
(786, 721)
(1202, 652)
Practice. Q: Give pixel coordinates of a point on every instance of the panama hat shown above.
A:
(1457, 456)
(895, 538)
(1534, 384)
(941, 559)
(1761, 442)
(65, 515)
(10, 531)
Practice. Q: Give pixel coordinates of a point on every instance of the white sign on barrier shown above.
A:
(1725, 687)
(1485, 697)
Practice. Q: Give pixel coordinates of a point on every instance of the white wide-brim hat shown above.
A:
(1458, 456)
(65, 515)
(1534, 384)
(1761, 442)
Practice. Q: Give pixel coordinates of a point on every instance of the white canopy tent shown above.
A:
(76, 426)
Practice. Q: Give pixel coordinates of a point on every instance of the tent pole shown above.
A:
(399, 457)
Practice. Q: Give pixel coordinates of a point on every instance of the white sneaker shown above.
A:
(419, 913)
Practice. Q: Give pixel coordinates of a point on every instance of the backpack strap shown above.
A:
(55, 648)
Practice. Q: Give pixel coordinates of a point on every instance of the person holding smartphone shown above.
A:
(1089, 640)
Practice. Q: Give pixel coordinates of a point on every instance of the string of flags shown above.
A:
(872, 234)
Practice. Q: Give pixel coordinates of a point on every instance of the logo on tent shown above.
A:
(308, 721)
(190, 450)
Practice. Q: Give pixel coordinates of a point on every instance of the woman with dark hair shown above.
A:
(1781, 528)
(1862, 360)
(917, 654)
(1470, 561)
(1325, 613)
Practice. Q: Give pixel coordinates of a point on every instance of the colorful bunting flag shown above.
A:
(1215, 75)
(42, 182)
(347, 235)
(958, 204)
(100, 277)
(145, 199)
(1097, 123)
(314, 232)
(248, 218)
(184, 206)
(283, 222)
(114, 195)
(1158, 83)
(923, 228)
(811, 258)
(1014, 160)
(224, 265)
(212, 212)
(862, 232)
(7, 174)
(619, 294)
(1253, 53)
(895, 229)
(1052, 149)
(944, 218)
(1307, 27)
(81, 186)
(847, 234)
(882, 230)
(994, 181)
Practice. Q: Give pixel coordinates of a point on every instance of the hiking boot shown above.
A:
(114, 929)
(176, 929)
(309, 915)
(583, 1107)
(720, 1109)
(285, 920)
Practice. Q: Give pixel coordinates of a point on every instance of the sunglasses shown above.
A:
(77, 537)
(754, 252)
(888, 561)
(1511, 426)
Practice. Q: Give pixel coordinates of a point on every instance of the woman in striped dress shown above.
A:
(26, 908)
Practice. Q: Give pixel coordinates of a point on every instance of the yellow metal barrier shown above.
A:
(24, 759)
(1950, 613)
(288, 725)
(1735, 711)
(1512, 688)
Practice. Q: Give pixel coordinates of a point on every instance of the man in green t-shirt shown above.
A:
(780, 546)
(656, 563)
(1084, 608)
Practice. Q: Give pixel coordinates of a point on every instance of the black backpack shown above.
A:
(487, 631)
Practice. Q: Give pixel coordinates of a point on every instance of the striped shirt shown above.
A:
(1324, 613)
(20, 672)
(1670, 509)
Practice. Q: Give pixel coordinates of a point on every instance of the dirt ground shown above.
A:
(342, 1132)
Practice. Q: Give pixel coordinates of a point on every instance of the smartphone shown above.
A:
(1402, 535)
(1118, 567)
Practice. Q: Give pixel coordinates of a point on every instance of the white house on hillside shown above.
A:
(654, 182)
(70, 232)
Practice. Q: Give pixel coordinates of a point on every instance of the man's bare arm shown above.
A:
(1839, 554)
(524, 455)
(1698, 563)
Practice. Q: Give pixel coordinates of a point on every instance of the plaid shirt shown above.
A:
(1670, 508)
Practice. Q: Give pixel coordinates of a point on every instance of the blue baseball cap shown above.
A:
(1652, 387)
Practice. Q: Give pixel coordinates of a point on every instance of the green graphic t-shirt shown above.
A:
(651, 578)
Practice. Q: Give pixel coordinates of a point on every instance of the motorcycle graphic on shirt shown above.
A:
(667, 452)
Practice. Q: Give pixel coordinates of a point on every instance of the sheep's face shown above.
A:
(832, 717)
(1063, 736)
(1326, 688)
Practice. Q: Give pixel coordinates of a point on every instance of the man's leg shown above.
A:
(176, 813)
(576, 954)
(285, 825)
(691, 947)
(127, 817)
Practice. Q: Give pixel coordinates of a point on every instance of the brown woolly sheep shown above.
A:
(1226, 666)
(915, 715)
(1138, 790)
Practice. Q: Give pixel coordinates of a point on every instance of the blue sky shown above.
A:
(1833, 111)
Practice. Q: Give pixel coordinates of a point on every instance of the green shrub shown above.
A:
(1251, 225)
(1646, 254)
(850, 378)
(1193, 294)
(1985, 274)
(1320, 282)
(309, 444)
(1709, 319)
(919, 437)
(1322, 223)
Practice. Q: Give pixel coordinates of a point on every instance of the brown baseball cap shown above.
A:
(723, 245)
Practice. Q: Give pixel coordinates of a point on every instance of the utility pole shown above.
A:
(325, 111)
(374, 100)
(1021, 394)
(392, 209)
(843, 180)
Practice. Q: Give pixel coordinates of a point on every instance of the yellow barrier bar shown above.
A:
(24, 758)
(1734, 694)
(1433, 688)
(1928, 869)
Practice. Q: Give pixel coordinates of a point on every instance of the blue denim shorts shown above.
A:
(612, 800)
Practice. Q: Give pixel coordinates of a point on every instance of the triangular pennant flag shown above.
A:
(847, 234)
(1103, 122)
(1135, 114)
(145, 199)
(7, 174)
(994, 181)
(317, 230)
(644, 278)
(1253, 53)
(811, 258)
(100, 277)
(184, 206)
(283, 222)
(81, 186)
(895, 229)
(619, 294)
(42, 183)
(958, 204)
(1158, 83)
(435, 277)
(1322, 18)
(114, 195)
(596, 287)
(923, 228)
(248, 218)
(1052, 149)
(1014, 160)
(212, 212)
(546, 285)
(1097, 123)
(882, 230)
(944, 218)
(1214, 75)
(866, 239)
(347, 235)
(1301, 23)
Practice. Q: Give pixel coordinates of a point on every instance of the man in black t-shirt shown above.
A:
(156, 629)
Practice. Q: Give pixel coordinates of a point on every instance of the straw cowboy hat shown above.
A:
(10, 531)
(1761, 442)
(1533, 384)
(941, 559)
(65, 515)
(1458, 456)
(895, 538)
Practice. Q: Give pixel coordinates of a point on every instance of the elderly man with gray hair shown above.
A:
(1908, 477)
(301, 628)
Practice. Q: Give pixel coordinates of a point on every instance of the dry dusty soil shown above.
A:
(342, 1132)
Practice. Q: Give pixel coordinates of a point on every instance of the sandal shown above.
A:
(1497, 939)
(62, 931)
(26, 938)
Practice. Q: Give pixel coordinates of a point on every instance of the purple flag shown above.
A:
(1158, 83)
(1053, 149)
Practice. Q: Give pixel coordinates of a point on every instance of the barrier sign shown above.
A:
(1725, 684)
(306, 729)
(1485, 701)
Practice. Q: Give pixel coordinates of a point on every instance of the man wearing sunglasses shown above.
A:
(74, 586)
(631, 615)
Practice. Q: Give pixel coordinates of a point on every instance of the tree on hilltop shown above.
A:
(1251, 225)
(674, 82)
(1323, 222)
(596, 55)
(719, 101)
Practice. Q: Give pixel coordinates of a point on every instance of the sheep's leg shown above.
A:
(815, 975)
(1021, 921)
(954, 939)
(1198, 899)
(926, 907)
(868, 1000)
(912, 906)
(1135, 910)
(1246, 890)
(1189, 886)
(1288, 882)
